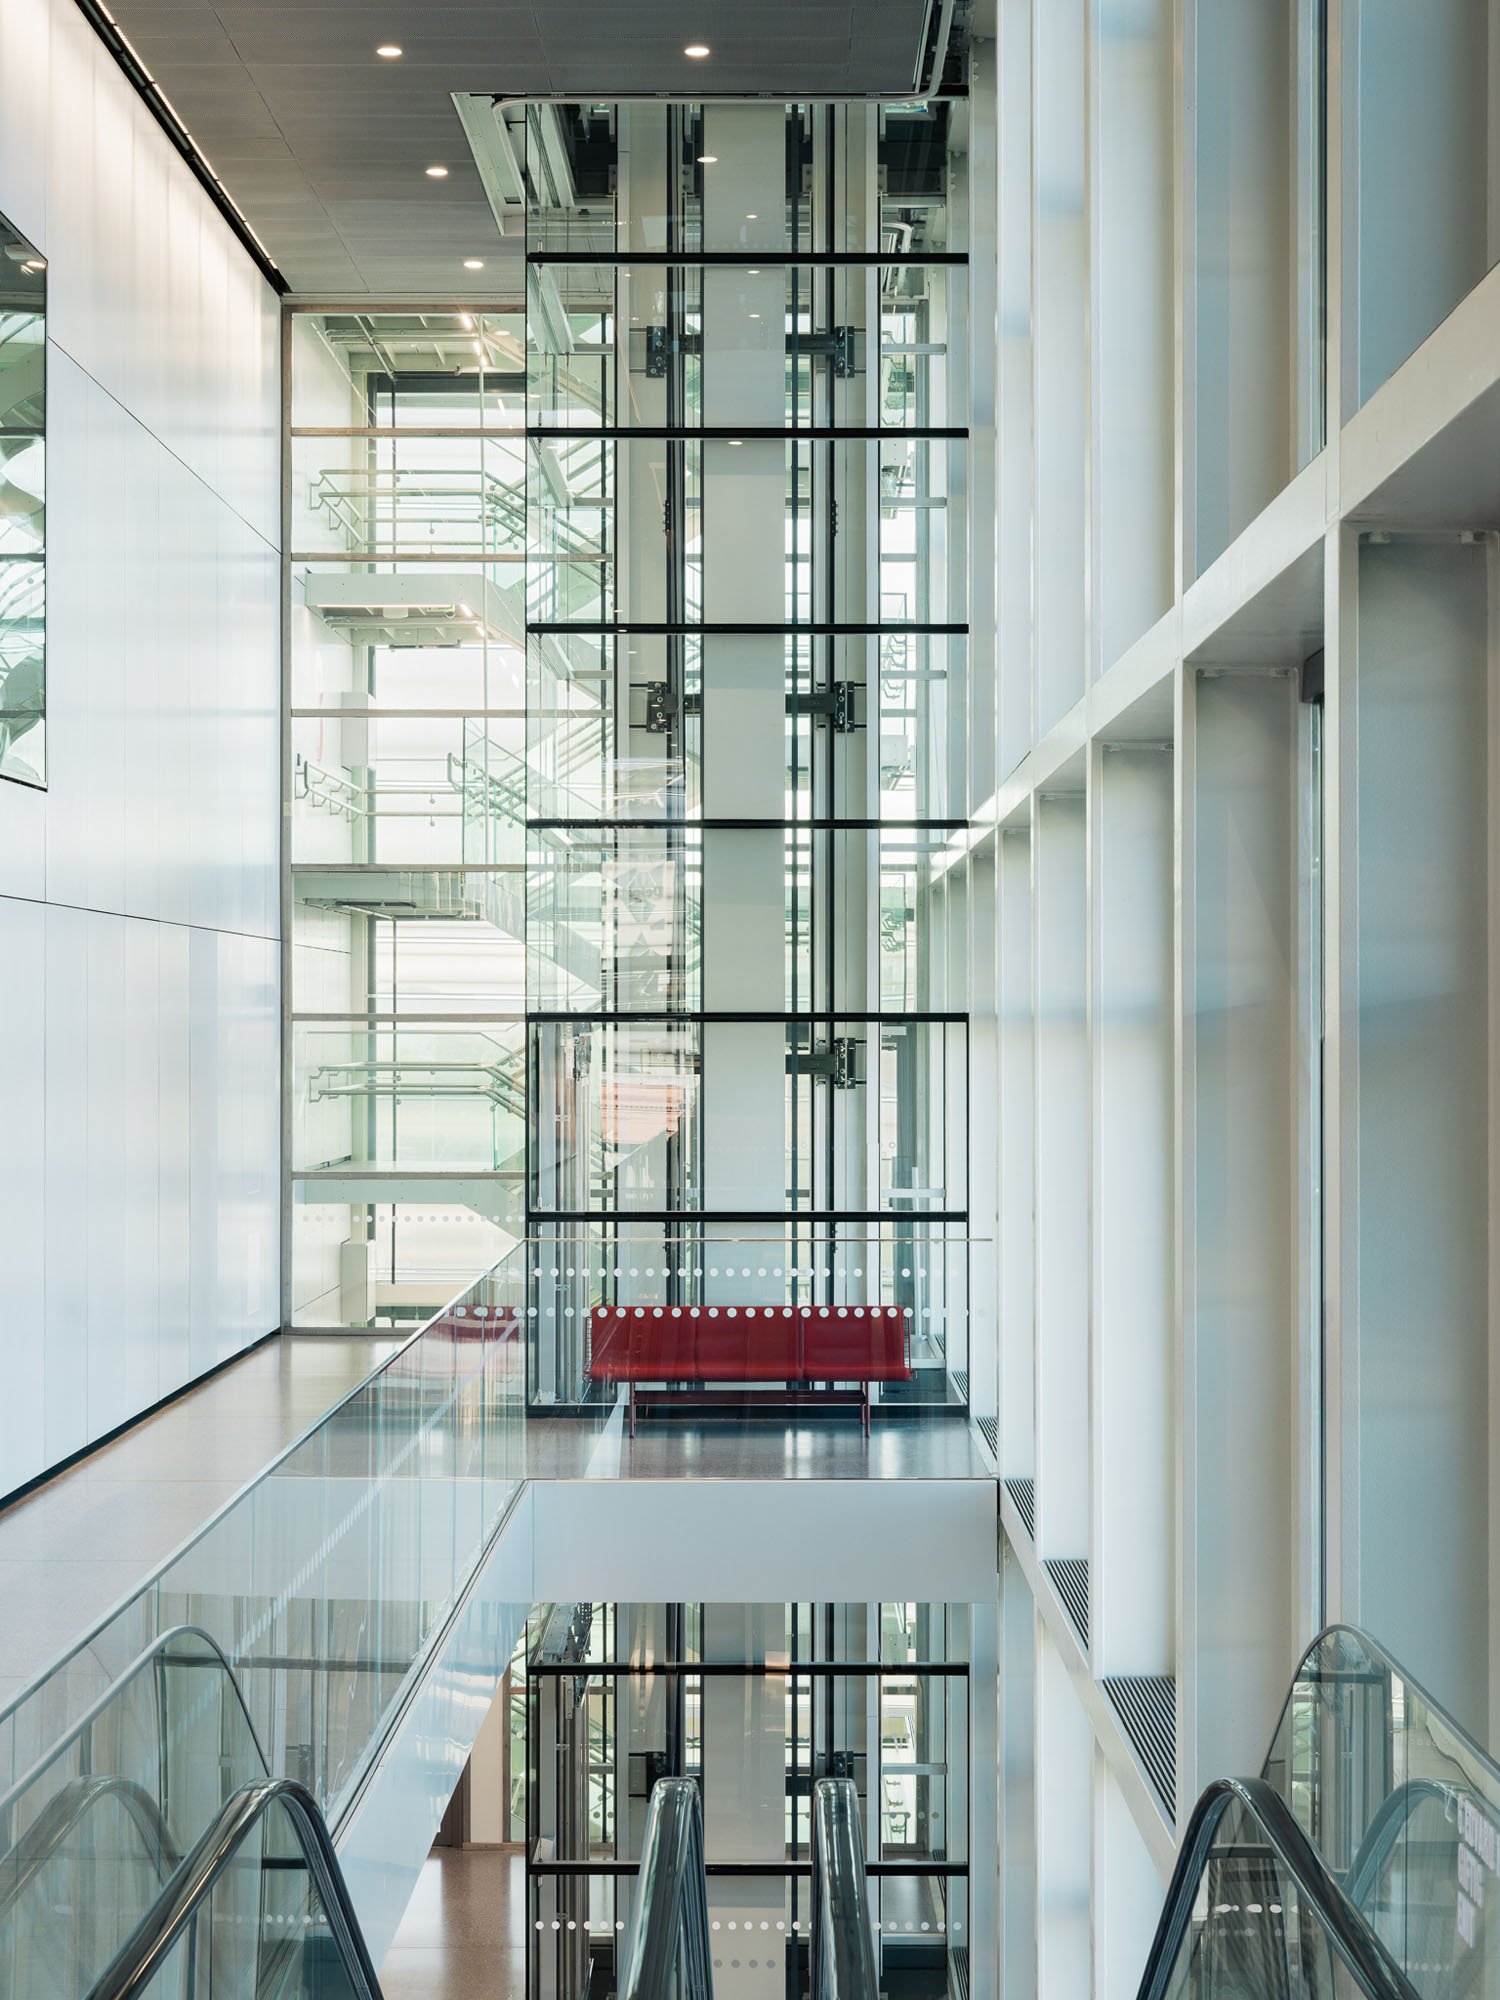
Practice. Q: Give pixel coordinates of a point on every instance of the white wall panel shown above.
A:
(139, 1161)
(23, 1019)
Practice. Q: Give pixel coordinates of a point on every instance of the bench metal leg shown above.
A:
(632, 1409)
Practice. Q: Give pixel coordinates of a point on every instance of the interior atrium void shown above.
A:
(748, 1000)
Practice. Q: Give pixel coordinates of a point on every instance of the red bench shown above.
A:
(794, 1345)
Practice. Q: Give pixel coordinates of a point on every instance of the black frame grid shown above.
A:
(812, 1014)
(823, 1758)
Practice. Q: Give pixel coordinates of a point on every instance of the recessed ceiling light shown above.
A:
(437, 173)
(752, 218)
(697, 50)
(473, 263)
(390, 50)
(708, 159)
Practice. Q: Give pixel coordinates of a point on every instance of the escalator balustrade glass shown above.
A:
(1403, 1807)
(257, 1911)
(1253, 1914)
(90, 1835)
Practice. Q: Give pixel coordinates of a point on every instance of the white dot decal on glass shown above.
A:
(906, 1270)
(716, 1923)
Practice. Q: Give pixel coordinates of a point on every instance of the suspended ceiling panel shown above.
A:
(325, 147)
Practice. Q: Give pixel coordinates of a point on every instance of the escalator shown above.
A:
(1355, 1864)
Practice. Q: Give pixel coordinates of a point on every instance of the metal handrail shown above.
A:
(668, 1951)
(1388, 1825)
(1373, 1972)
(148, 1950)
(63, 1813)
(152, 1656)
(842, 1948)
(1390, 1665)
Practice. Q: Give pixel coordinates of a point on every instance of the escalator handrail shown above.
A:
(1386, 1828)
(1391, 1665)
(149, 1658)
(842, 1947)
(671, 1904)
(64, 1812)
(1375, 1974)
(155, 1938)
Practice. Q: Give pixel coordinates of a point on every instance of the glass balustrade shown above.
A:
(324, 1582)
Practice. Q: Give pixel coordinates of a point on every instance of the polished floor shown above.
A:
(760, 1446)
(463, 1936)
(77, 1544)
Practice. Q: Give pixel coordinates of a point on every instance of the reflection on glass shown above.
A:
(1402, 1805)
(407, 802)
(23, 517)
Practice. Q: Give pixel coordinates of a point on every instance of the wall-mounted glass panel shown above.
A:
(389, 1252)
(416, 370)
(421, 1095)
(23, 516)
(750, 1116)
(1420, 155)
(1259, 260)
(772, 344)
(729, 178)
(394, 940)
(614, 918)
(432, 792)
(409, 494)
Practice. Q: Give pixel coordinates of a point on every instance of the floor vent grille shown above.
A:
(990, 1431)
(1023, 1498)
(1070, 1575)
(1147, 1706)
(961, 1382)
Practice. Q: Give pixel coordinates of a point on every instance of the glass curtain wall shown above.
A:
(746, 642)
(407, 614)
(754, 1703)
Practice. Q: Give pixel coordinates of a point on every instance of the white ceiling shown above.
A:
(324, 146)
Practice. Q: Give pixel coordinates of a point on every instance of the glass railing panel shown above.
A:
(326, 1579)
(1402, 1806)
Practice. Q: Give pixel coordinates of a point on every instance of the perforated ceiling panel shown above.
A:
(325, 147)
